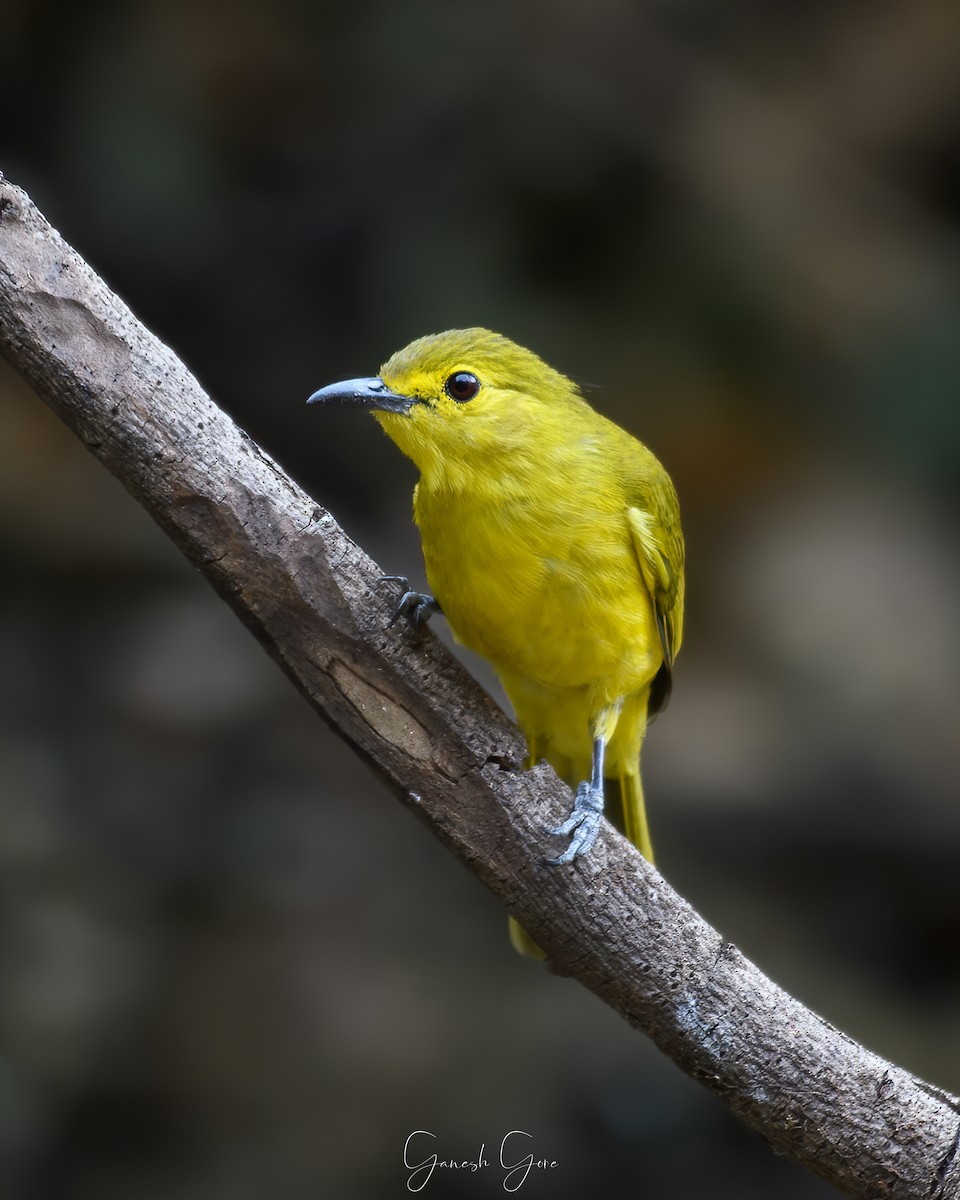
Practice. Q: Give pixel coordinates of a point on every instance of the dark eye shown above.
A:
(462, 386)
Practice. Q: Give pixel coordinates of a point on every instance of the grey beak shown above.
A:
(363, 393)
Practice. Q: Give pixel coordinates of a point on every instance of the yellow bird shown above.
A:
(553, 547)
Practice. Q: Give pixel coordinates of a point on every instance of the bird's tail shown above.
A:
(522, 942)
(625, 807)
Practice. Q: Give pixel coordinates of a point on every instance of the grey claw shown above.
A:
(568, 826)
(417, 607)
(583, 823)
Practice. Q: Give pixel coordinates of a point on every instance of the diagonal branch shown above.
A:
(310, 595)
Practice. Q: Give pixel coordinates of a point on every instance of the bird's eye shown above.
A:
(462, 386)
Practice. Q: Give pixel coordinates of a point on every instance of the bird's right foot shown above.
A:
(583, 824)
(416, 607)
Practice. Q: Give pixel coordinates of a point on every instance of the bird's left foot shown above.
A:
(583, 823)
(417, 607)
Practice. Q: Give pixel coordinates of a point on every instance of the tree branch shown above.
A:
(311, 597)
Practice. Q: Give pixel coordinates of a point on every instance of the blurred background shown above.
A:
(231, 966)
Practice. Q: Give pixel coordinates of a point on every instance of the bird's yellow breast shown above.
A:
(542, 579)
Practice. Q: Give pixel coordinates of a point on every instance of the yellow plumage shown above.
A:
(552, 543)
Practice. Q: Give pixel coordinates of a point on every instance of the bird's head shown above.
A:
(450, 398)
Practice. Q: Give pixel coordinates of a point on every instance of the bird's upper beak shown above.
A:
(363, 393)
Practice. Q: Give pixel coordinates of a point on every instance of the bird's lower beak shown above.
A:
(363, 393)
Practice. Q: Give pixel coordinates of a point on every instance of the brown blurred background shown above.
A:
(231, 967)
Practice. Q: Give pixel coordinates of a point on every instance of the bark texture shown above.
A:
(312, 598)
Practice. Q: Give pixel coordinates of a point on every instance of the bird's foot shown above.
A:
(416, 607)
(583, 823)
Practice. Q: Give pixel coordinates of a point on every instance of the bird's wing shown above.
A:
(654, 525)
